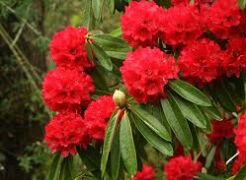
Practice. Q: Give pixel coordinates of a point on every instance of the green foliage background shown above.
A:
(26, 27)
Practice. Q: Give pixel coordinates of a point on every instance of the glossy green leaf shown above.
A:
(152, 122)
(88, 16)
(203, 176)
(177, 122)
(127, 146)
(210, 157)
(55, 168)
(111, 5)
(90, 158)
(191, 112)
(189, 92)
(89, 52)
(116, 33)
(117, 55)
(241, 174)
(109, 42)
(115, 157)
(66, 169)
(212, 113)
(221, 94)
(108, 140)
(98, 8)
(154, 140)
(242, 4)
(102, 57)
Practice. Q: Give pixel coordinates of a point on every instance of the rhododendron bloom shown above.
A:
(224, 19)
(146, 71)
(147, 173)
(66, 89)
(236, 63)
(181, 168)
(181, 25)
(240, 139)
(66, 131)
(139, 23)
(68, 48)
(221, 130)
(97, 115)
(200, 60)
(238, 163)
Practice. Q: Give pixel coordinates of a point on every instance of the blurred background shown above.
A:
(26, 28)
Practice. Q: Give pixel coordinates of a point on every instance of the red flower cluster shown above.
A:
(240, 139)
(147, 173)
(238, 163)
(139, 23)
(181, 168)
(65, 89)
(65, 132)
(224, 19)
(200, 60)
(181, 25)
(68, 48)
(221, 130)
(236, 62)
(97, 115)
(146, 71)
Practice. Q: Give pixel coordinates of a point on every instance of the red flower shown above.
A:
(200, 60)
(240, 132)
(238, 163)
(236, 63)
(147, 173)
(221, 130)
(139, 23)
(66, 131)
(146, 71)
(97, 115)
(224, 19)
(68, 48)
(182, 168)
(65, 89)
(181, 24)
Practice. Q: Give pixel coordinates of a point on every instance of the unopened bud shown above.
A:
(119, 98)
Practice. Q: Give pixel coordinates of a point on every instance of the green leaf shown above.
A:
(152, 122)
(116, 33)
(109, 42)
(210, 157)
(203, 176)
(191, 112)
(117, 55)
(111, 5)
(98, 8)
(212, 113)
(189, 92)
(108, 140)
(242, 174)
(176, 120)
(90, 158)
(102, 57)
(221, 94)
(88, 16)
(66, 169)
(55, 168)
(161, 145)
(115, 157)
(127, 147)
(89, 52)
(242, 4)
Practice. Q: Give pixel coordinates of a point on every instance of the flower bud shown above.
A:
(119, 98)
